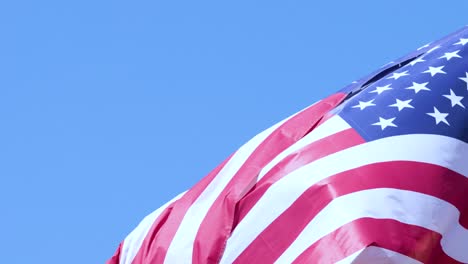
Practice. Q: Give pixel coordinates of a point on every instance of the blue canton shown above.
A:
(425, 94)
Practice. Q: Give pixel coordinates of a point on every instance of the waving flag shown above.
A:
(376, 173)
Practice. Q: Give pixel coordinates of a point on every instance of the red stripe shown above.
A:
(158, 239)
(217, 225)
(314, 151)
(413, 241)
(116, 257)
(419, 177)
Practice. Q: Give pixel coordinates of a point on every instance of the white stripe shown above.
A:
(333, 125)
(408, 207)
(442, 151)
(181, 248)
(377, 255)
(133, 241)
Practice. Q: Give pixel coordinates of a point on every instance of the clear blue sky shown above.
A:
(110, 108)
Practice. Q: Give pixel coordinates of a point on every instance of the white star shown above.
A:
(386, 64)
(420, 59)
(418, 87)
(434, 48)
(383, 123)
(454, 99)
(449, 55)
(425, 46)
(465, 79)
(363, 105)
(462, 41)
(381, 89)
(439, 117)
(397, 75)
(402, 104)
(435, 70)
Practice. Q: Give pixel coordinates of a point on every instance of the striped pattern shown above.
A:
(312, 189)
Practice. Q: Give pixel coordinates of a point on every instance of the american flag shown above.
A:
(375, 173)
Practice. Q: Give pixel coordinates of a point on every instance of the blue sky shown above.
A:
(110, 108)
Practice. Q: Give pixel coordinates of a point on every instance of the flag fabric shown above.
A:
(375, 173)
